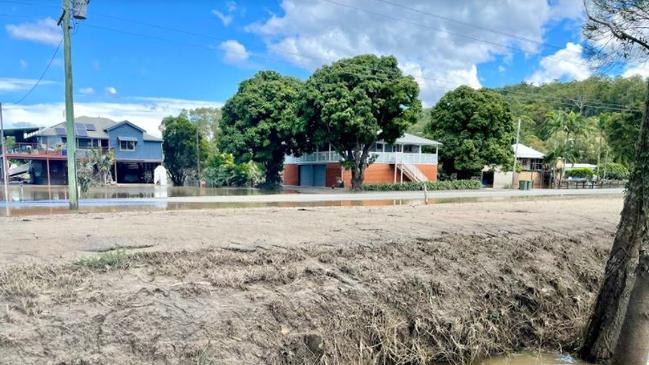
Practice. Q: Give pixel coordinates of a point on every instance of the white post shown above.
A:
(518, 134)
(401, 160)
(5, 165)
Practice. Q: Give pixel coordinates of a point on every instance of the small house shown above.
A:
(409, 158)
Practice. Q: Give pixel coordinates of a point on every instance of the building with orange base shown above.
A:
(410, 158)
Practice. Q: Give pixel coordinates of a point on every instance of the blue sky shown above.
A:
(142, 60)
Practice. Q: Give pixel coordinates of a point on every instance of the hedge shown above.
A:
(582, 172)
(613, 171)
(437, 185)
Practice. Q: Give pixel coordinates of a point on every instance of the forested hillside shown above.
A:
(583, 121)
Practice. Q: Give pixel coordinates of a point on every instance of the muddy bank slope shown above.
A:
(444, 297)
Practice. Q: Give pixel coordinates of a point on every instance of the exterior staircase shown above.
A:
(412, 172)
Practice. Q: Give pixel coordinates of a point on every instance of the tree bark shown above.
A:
(360, 156)
(605, 324)
(633, 345)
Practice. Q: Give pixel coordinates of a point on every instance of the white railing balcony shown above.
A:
(381, 157)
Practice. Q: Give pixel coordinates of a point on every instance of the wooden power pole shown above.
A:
(71, 140)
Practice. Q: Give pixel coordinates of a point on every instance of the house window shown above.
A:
(127, 145)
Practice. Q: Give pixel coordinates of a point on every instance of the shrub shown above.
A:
(221, 170)
(582, 172)
(436, 185)
(613, 171)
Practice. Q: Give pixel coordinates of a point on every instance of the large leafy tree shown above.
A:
(622, 129)
(475, 128)
(354, 102)
(618, 328)
(184, 147)
(260, 122)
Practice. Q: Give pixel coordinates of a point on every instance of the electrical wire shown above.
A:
(56, 51)
(488, 29)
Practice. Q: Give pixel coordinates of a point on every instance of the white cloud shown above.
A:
(146, 112)
(501, 68)
(86, 91)
(637, 70)
(225, 19)
(42, 31)
(234, 52)
(111, 91)
(8, 84)
(23, 64)
(441, 54)
(565, 64)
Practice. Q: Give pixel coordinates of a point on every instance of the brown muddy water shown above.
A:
(27, 200)
(533, 359)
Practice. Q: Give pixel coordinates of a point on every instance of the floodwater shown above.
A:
(22, 193)
(29, 200)
(533, 359)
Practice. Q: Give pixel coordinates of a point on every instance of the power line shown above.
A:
(492, 30)
(419, 24)
(42, 74)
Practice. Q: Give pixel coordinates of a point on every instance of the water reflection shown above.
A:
(19, 193)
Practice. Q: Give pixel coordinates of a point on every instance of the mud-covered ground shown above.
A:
(460, 281)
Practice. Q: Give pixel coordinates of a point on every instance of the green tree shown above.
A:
(181, 155)
(102, 163)
(622, 129)
(475, 128)
(260, 122)
(354, 102)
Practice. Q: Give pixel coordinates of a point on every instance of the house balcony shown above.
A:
(380, 157)
(39, 151)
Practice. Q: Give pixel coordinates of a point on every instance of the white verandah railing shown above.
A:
(381, 157)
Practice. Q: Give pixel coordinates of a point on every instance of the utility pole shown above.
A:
(518, 135)
(71, 140)
(5, 165)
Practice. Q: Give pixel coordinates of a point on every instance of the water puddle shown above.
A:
(533, 359)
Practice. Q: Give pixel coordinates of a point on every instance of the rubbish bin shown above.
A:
(522, 185)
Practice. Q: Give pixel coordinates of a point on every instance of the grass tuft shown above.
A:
(110, 260)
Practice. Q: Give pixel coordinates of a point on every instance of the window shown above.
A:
(127, 145)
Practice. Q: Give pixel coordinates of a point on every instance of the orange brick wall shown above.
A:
(536, 177)
(430, 171)
(332, 174)
(291, 174)
(375, 174)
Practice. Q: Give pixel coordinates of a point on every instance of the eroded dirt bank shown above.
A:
(444, 296)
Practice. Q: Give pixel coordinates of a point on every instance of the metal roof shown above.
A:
(101, 125)
(526, 152)
(408, 138)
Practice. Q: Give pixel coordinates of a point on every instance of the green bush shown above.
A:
(221, 170)
(613, 171)
(436, 185)
(582, 172)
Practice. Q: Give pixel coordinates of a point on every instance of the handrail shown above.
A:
(379, 157)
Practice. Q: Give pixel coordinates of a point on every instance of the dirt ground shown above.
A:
(363, 285)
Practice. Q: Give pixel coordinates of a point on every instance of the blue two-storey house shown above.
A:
(137, 153)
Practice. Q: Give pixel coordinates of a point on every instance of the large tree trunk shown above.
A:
(358, 175)
(360, 156)
(633, 345)
(605, 325)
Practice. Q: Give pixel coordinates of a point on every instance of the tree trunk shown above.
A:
(360, 155)
(633, 345)
(603, 330)
(358, 175)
